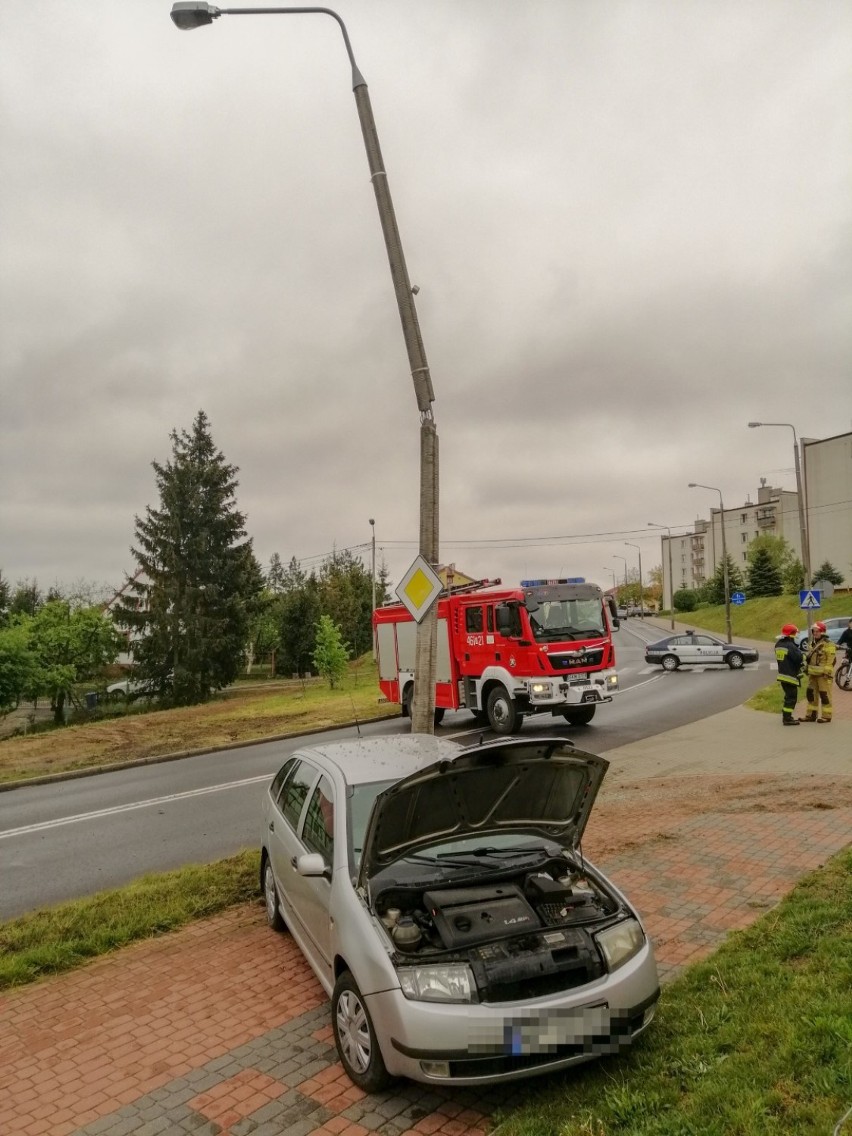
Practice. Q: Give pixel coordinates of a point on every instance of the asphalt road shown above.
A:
(74, 838)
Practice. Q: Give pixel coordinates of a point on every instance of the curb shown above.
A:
(94, 770)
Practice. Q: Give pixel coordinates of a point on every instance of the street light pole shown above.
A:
(671, 578)
(373, 543)
(804, 533)
(641, 598)
(188, 14)
(727, 586)
(606, 568)
(615, 556)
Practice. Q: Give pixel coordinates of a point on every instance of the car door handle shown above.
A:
(292, 861)
(272, 826)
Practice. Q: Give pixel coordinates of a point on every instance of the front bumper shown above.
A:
(474, 1044)
(570, 690)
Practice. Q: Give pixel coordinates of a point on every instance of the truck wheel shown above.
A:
(439, 715)
(408, 700)
(581, 716)
(503, 714)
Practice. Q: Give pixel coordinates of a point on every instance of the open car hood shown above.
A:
(540, 788)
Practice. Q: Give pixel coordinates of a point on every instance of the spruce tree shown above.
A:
(764, 575)
(199, 583)
(828, 572)
(714, 589)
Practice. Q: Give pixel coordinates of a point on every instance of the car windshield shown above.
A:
(553, 620)
(361, 803)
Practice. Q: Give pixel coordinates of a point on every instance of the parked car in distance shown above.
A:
(130, 688)
(835, 626)
(440, 897)
(621, 612)
(690, 648)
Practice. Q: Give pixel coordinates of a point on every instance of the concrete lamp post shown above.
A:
(804, 534)
(615, 556)
(727, 586)
(187, 14)
(671, 577)
(641, 597)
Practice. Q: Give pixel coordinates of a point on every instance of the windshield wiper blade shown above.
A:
(444, 857)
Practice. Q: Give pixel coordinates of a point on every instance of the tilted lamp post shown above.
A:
(641, 597)
(187, 14)
(671, 577)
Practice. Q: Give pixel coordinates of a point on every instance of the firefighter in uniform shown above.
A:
(790, 661)
(820, 665)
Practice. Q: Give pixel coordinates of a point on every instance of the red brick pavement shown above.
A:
(78, 1049)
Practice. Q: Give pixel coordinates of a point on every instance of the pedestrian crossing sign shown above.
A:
(809, 599)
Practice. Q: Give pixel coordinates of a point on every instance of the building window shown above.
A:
(743, 537)
(745, 556)
(743, 518)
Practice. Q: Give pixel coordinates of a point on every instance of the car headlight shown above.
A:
(620, 943)
(541, 690)
(451, 983)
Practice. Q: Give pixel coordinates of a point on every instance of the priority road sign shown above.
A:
(809, 599)
(419, 588)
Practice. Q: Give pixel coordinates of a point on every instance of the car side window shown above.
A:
(318, 829)
(295, 791)
(705, 641)
(281, 777)
(473, 619)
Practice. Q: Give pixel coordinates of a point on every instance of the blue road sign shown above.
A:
(809, 600)
(738, 598)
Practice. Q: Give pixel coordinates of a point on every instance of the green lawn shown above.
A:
(763, 618)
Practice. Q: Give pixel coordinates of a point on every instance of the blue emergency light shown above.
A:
(543, 583)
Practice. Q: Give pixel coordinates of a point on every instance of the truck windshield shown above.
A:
(552, 620)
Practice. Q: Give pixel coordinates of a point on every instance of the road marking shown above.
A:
(98, 813)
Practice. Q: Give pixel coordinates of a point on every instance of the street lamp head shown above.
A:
(372, 520)
(188, 14)
(753, 424)
(692, 485)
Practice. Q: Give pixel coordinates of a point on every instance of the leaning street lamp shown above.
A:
(727, 586)
(187, 14)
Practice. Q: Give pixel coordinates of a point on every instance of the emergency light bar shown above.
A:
(542, 583)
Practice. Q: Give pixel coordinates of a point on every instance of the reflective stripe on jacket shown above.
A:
(789, 659)
(821, 658)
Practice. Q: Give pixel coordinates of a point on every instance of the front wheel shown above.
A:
(503, 714)
(843, 676)
(355, 1037)
(735, 661)
(580, 716)
(270, 899)
(669, 662)
(408, 701)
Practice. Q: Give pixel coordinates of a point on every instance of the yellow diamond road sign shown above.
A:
(419, 588)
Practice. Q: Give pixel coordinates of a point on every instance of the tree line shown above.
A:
(771, 570)
(198, 610)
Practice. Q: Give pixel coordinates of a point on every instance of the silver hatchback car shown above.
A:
(442, 899)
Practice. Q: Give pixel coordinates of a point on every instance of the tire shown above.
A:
(503, 714)
(480, 717)
(579, 717)
(271, 902)
(408, 700)
(670, 662)
(843, 676)
(355, 1037)
(735, 661)
(439, 715)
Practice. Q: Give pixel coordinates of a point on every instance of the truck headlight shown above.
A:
(620, 943)
(451, 983)
(541, 690)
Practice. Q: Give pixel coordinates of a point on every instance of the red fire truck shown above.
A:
(545, 647)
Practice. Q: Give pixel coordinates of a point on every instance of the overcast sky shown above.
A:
(630, 224)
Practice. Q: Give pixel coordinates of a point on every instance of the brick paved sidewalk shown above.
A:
(221, 1028)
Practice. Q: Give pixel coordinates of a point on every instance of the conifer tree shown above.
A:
(764, 575)
(192, 603)
(714, 589)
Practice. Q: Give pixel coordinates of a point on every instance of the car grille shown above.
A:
(587, 658)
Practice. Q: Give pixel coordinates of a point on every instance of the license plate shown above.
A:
(546, 1033)
(589, 696)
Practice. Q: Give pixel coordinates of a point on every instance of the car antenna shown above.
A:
(355, 715)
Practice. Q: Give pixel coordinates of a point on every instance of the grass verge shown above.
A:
(62, 937)
(245, 714)
(756, 1041)
(762, 618)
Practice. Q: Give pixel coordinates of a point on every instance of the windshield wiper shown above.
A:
(441, 859)
(490, 851)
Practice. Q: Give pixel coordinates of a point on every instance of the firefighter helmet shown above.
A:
(789, 629)
(820, 627)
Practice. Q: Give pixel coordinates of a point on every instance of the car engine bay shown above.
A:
(524, 934)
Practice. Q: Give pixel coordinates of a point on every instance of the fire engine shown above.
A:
(503, 653)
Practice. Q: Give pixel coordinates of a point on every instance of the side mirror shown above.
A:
(616, 623)
(311, 864)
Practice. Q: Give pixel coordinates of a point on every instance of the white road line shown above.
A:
(98, 813)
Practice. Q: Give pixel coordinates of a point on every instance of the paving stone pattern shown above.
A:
(221, 1029)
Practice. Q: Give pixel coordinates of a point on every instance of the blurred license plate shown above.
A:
(549, 1032)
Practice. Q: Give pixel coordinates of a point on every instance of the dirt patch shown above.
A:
(637, 815)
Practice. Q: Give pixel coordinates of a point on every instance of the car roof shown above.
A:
(364, 760)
